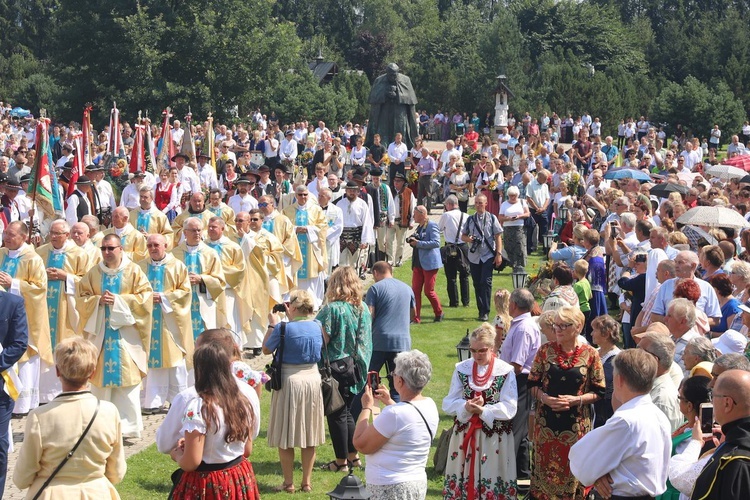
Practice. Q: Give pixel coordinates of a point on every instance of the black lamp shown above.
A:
(462, 348)
(548, 238)
(351, 488)
(519, 276)
(564, 214)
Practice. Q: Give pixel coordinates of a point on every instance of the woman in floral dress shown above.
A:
(483, 397)
(566, 379)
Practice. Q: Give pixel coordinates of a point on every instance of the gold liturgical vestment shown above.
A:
(313, 243)
(61, 301)
(264, 266)
(133, 242)
(152, 221)
(172, 331)
(179, 222)
(121, 332)
(28, 268)
(234, 298)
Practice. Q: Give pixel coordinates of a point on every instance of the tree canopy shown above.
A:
(677, 60)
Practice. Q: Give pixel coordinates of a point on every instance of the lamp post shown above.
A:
(351, 488)
(548, 238)
(462, 348)
(564, 214)
(519, 276)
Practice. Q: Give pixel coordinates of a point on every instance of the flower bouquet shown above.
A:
(306, 157)
(412, 176)
(573, 180)
(540, 284)
(493, 185)
(386, 160)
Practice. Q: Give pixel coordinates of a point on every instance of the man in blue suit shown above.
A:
(425, 262)
(14, 338)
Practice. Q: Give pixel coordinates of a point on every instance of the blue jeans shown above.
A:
(378, 359)
(6, 408)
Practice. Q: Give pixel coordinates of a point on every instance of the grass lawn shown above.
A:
(149, 472)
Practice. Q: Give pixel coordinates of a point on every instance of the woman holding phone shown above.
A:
(397, 442)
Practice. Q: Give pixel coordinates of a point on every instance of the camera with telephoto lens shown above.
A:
(475, 244)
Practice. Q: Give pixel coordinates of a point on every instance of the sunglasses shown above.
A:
(562, 326)
(262, 205)
(481, 350)
(254, 220)
(109, 249)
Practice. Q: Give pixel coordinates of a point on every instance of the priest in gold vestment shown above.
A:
(171, 350)
(147, 219)
(65, 264)
(233, 263)
(206, 278)
(22, 273)
(115, 301)
(133, 241)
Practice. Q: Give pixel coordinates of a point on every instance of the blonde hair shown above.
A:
(344, 285)
(303, 301)
(571, 314)
(581, 267)
(502, 306)
(75, 358)
(484, 334)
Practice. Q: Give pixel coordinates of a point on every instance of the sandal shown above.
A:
(288, 488)
(305, 488)
(332, 466)
(356, 463)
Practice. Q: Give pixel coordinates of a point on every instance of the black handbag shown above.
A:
(345, 370)
(332, 399)
(273, 369)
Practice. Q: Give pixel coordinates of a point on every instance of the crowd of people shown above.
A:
(155, 295)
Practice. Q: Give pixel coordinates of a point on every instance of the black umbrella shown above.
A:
(745, 179)
(662, 190)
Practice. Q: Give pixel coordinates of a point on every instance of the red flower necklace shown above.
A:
(480, 381)
(565, 360)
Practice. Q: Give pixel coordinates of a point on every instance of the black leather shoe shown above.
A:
(438, 319)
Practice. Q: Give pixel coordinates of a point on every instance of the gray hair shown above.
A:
(62, 223)
(628, 219)
(415, 368)
(683, 308)
(522, 298)
(742, 269)
(513, 190)
(662, 347)
(732, 361)
(451, 200)
(144, 189)
(701, 347)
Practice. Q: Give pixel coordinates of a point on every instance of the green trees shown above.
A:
(677, 60)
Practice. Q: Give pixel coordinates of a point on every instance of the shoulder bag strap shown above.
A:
(324, 353)
(423, 419)
(458, 232)
(280, 350)
(70, 453)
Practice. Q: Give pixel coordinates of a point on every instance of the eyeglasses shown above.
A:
(109, 249)
(153, 245)
(302, 194)
(481, 350)
(562, 326)
(192, 230)
(255, 220)
(714, 396)
(262, 205)
(57, 233)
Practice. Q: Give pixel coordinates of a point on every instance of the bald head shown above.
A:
(731, 396)
(157, 246)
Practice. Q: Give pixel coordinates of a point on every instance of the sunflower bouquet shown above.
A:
(412, 176)
(540, 284)
(493, 185)
(386, 160)
(573, 180)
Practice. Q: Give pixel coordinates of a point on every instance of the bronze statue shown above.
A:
(392, 108)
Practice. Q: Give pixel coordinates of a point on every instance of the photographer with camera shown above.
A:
(483, 233)
(425, 262)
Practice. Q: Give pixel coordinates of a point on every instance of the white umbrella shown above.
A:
(713, 217)
(726, 172)
(688, 177)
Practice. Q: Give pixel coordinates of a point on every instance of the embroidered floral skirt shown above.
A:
(235, 483)
(494, 464)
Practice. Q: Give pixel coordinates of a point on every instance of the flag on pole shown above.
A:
(79, 165)
(187, 147)
(209, 142)
(87, 157)
(149, 147)
(165, 150)
(44, 190)
(138, 154)
(115, 147)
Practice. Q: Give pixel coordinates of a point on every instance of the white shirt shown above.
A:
(170, 431)
(106, 195)
(398, 152)
(271, 149)
(207, 176)
(188, 180)
(404, 456)
(449, 225)
(177, 134)
(358, 155)
(538, 192)
(288, 150)
(130, 198)
(71, 213)
(633, 447)
(358, 214)
(240, 203)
